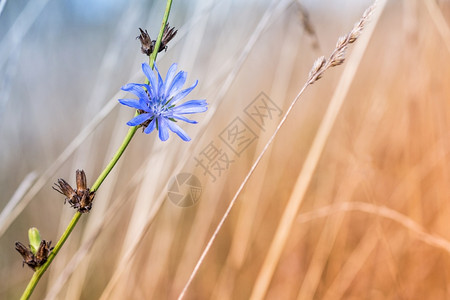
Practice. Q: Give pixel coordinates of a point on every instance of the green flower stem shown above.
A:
(115, 158)
(40, 271)
(161, 32)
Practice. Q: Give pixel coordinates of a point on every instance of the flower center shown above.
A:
(159, 109)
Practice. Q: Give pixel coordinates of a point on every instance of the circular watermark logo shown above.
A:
(184, 190)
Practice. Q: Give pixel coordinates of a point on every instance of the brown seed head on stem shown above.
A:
(148, 45)
(80, 198)
(34, 260)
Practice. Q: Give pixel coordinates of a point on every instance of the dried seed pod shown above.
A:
(65, 189)
(84, 195)
(146, 42)
(148, 45)
(27, 255)
(80, 198)
(81, 183)
(34, 260)
(43, 252)
(85, 204)
(168, 35)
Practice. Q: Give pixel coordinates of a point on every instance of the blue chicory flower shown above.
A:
(157, 103)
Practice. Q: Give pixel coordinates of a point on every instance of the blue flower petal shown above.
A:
(180, 132)
(137, 90)
(150, 126)
(135, 103)
(176, 84)
(139, 119)
(191, 107)
(181, 118)
(183, 93)
(145, 87)
(169, 78)
(151, 78)
(139, 85)
(160, 84)
(163, 131)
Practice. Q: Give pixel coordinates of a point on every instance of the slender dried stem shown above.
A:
(319, 67)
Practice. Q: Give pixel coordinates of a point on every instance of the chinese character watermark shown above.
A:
(213, 160)
(218, 156)
(238, 136)
(263, 110)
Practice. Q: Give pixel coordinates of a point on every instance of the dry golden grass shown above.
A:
(370, 222)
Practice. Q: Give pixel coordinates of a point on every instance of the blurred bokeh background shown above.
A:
(374, 222)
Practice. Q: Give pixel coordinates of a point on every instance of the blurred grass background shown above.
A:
(62, 62)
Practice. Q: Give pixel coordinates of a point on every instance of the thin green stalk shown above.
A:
(161, 32)
(40, 271)
(115, 158)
